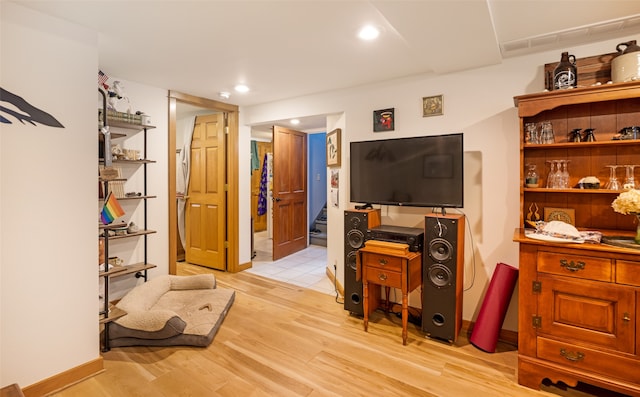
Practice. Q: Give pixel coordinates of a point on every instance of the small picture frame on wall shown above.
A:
(333, 148)
(384, 120)
(432, 106)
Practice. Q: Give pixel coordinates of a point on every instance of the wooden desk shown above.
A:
(390, 265)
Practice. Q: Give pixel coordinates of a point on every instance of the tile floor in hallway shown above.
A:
(306, 268)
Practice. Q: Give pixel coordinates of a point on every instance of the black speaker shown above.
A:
(443, 276)
(356, 224)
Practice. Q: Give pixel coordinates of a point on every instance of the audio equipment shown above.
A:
(412, 236)
(356, 224)
(443, 276)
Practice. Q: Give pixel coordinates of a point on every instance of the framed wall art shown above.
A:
(384, 120)
(566, 215)
(432, 106)
(333, 148)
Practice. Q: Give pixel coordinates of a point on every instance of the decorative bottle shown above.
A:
(531, 179)
(565, 74)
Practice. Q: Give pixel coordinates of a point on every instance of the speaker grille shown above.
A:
(442, 276)
(440, 250)
(356, 224)
(439, 275)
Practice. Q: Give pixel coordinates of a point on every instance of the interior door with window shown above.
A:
(205, 215)
(290, 228)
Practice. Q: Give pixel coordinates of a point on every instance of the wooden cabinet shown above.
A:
(389, 265)
(115, 233)
(579, 303)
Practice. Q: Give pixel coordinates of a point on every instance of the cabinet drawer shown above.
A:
(384, 277)
(382, 261)
(586, 267)
(591, 360)
(628, 272)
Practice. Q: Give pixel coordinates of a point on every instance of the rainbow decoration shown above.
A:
(111, 210)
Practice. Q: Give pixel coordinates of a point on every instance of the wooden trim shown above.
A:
(233, 194)
(173, 206)
(233, 250)
(65, 379)
(532, 104)
(335, 282)
(203, 102)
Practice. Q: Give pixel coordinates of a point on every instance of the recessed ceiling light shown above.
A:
(224, 95)
(369, 32)
(241, 88)
(294, 121)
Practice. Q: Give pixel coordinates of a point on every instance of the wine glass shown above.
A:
(613, 183)
(550, 175)
(629, 180)
(563, 180)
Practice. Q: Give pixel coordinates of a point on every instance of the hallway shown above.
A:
(306, 268)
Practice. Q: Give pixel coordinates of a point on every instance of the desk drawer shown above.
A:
(628, 272)
(384, 277)
(578, 266)
(385, 262)
(585, 359)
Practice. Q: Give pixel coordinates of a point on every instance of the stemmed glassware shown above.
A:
(563, 179)
(629, 180)
(612, 183)
(553, 166)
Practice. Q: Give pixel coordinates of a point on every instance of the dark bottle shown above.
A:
(589, 136)
(565, 74)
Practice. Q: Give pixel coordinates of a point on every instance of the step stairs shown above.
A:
(318, 231)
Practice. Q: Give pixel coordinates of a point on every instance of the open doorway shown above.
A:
(307, 267)
(231, 176)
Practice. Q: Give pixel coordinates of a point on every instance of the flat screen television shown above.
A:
(424, 171)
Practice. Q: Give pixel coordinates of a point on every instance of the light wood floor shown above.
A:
(283, 340)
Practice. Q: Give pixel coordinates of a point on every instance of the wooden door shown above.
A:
(259, 221)
(289, 192)
(205, 215)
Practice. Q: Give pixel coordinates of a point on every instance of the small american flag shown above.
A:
(102, 79)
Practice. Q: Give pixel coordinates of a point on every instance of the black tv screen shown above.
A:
(424, 171)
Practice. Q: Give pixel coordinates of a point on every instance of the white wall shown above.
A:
(48, 187)
(478, 103)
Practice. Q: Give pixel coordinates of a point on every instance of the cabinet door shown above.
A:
(587, 312)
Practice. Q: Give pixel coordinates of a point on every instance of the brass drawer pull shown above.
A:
(571, 356)
(382, 276)
(383, 261)
(572, 266)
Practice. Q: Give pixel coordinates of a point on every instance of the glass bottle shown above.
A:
(565, 74)
(532, 177)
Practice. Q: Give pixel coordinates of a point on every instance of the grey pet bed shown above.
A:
(172, 311)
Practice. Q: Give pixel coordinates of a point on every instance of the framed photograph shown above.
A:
(432, 106)
(333, 148)
(566, 215)
(383, 120)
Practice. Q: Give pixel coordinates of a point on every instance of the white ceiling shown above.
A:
(286, 49)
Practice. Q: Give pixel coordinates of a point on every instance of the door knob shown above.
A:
(277, 199)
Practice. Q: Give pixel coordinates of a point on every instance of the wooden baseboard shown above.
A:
(64, 379)
(335, 282)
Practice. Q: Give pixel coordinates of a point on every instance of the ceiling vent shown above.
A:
(579, 35)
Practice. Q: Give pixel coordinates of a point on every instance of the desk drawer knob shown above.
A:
(571, 265)
(572, 356)
(383, 261)
(382, 276)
